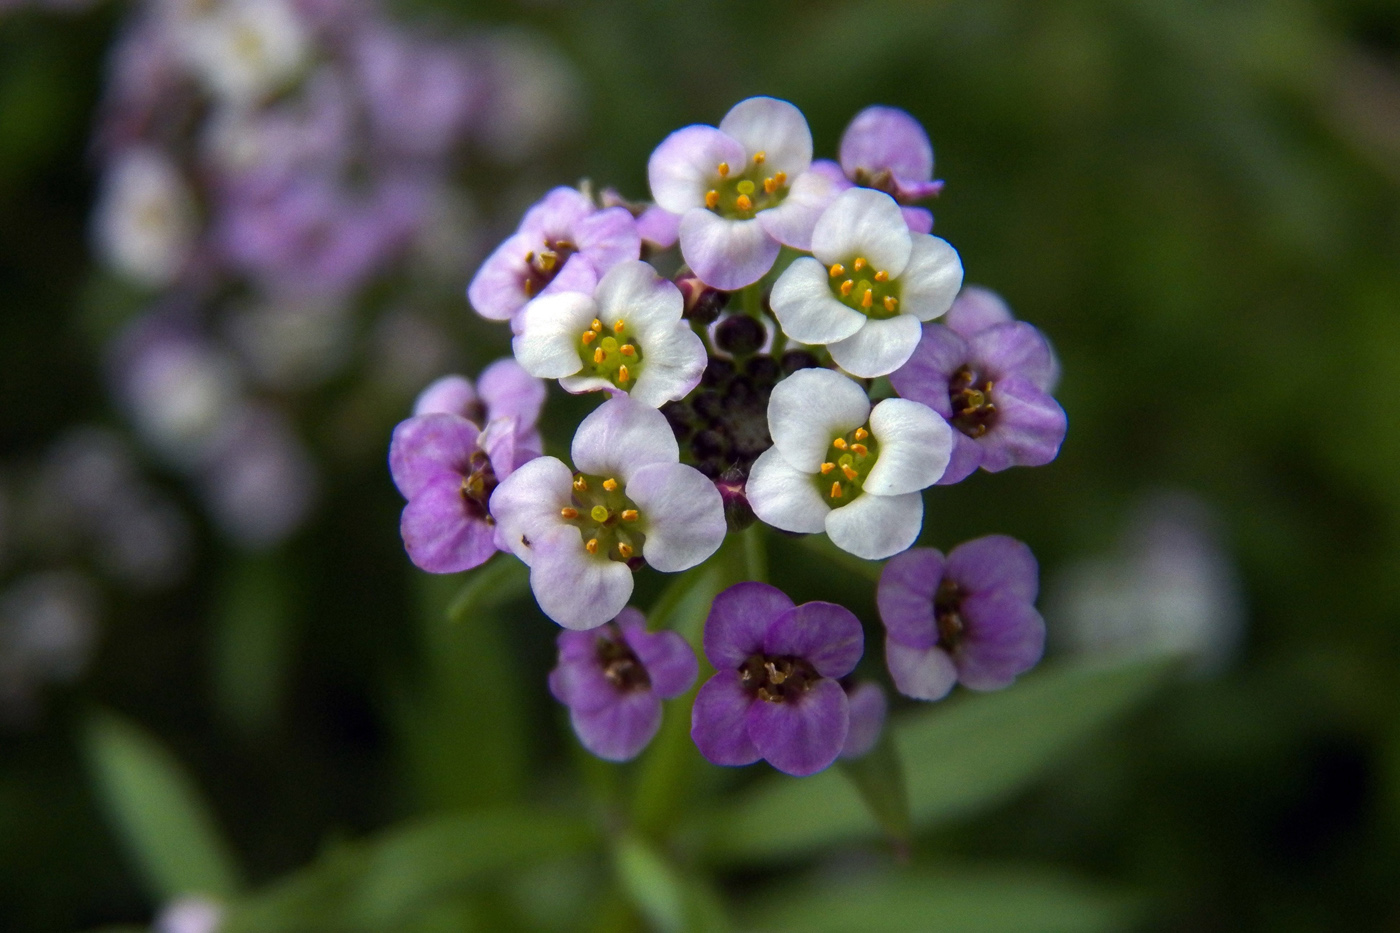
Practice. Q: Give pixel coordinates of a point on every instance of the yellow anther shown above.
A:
(599, 355)
(836, 269)
(596, 326)
(624, 551)
(849, 471)
(861, 434)
(759, 156)
(724, 170)
(530, 256)
(627, 350)
(867, 299)
(827, 467)
(529, 288)
(599, 513)
(743, 203)
(588, 337)
(580, 484)
(610, 484)
(860, 450)
(836, 489)
(769, 185)
(859, 264)
(622, 374)
(839, 443)
(712, 199)
(629, 515)
(846, 287)
(568, 513)
(619, 326)
(890, 302)
(882, 276)
(547, 260)
(592, 546)
(780, 178)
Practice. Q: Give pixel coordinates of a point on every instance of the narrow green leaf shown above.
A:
(653, 885)
(958, 757)
(879, 778)
(164, 823)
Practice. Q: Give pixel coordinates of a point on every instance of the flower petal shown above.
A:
(888, 139)
(526, 504)
(620, 437)
(807, 310)
(607, 238)
(801, 736)
(995, 564)
(686, 165)
(726, 254)
(826, 635)
(924, 378)
(578, 680)
(668, 658)
(867, 705)
(876, 527)
(783, 496)
(497, 290)
(964, 461)
(915, 444)
(1029, 428)
(921, 673)
(792, 222)
(633, 292)
(576, 589)
(717, 721)
(547, 345)
(738, 622)
(774, 127)
(440, 533)
(675, 363)
(977, 308)
(553, 217)
(866, 223)
(1005, 637)
(878, 348)
(918, 219)
(931, 280)
(905, 596)
(620, 730)
(577, 385)
(810, 408)
(426, 446)
(1015, 349)
(450, 395)
(682, 515)
(508, 391)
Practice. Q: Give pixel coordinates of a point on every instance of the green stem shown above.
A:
(752, 296)
(755, 553)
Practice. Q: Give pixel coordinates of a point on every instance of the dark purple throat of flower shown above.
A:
(477, 487)
(620, 664)
(542, 265)
(974, 413)
(609, 521)
(779, 679)
(947, 614)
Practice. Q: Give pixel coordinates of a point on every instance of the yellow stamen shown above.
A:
(592, 546)
(882, 276)
(827, 467)
(622, 374)
(568, 513)
(836, 269)
(759, 156)
(599, 513)
(712, 199)
(529, 288)
(769, 185)
(743, 203)
(867, 299)
(890, 302)
(846, 287)
(598, 355)
(547, 260)
(629, 515)
(580, 484)
(627, 350)
(619, 326)
(849, 471)
(780, 178)
(610, 484)
(860, 450)
(723, 169)
(624, 551)
(861, 434)
(588, 337)
(530, 256)
(836, 490)
(859, 264)
(839, 443)
(596, 326)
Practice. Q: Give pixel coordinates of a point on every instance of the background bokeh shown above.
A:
(1199, 203)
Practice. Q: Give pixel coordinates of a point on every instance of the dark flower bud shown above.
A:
(717, 372)
(740, 335)
(702, 303)
(762, 369)
(793, 360)
(737, 511)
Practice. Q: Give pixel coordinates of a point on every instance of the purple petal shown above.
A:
(905, 596)
(686, 165)
(867, 706)
(832, 173)
(965, 459)
(440, 533)
(499, 442)
(578, 680)
(555, 215)
(887, 139)
(668, 658)
(450, 395)
(659, 227)
(1029, 428)
(1005, 637)
(975, 309)
(801, 736)
(607, 238)
(921, 673)
(718, 720)
(739, 620)
(576, 589)
(497, 290)
(924, 378)
(726, 254)
(995, 564)
(620, 730)
(575, 275)
(426, 446)
(1014, 349)
(826, 635)
(918, 219)
(510, 392)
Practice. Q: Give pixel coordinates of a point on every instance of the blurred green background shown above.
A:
(1199, 202)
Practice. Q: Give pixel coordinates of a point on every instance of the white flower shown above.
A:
(244, 49)
(628, 337)
(145, 223)
(838, 466)
(630, 497)
(871, 284)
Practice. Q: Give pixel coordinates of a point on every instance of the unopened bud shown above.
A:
(702, 303)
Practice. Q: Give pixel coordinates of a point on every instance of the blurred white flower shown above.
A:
(145, 225)
(290, 342)
(189, 915)
(242, 50)
(48, 625)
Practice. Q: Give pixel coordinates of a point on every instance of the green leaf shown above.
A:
(879, 778)
(960, 756)
(668, 899)
(952, 900)
(253, 640)
(165, 825)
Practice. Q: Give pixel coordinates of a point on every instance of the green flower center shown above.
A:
(872, 292)
(610, 522)
(848, 462)
(738, 195)
(611, 353)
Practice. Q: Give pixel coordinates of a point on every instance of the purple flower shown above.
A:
(969, 617)
(886, 149)
(990, 381)
(742, 190)
(868, 707)
(503, 390)
(564, 244)
(631, 497)
(420, 94)
(775, 694)
(613, 679)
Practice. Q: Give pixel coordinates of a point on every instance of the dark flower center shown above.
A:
(478, 485)
(947, 613)
(974, 413)
(621, 666)
(777, 679)
(542, 265)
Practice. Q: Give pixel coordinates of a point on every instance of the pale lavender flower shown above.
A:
(868, 707)
(145, 225)
(630, 498)
(839, 466)
(420, 94)
(241, 50)
(628, 336)
(48, 630)
(190, 915)
(257, 478)
(990, 381)
(503, 390)
(564, 244)
(742, 190)
(658, 228)
(775, 694)
(613, 679)
(967, 618)
(867, 285)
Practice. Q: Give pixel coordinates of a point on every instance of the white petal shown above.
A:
(866, 223)
(620, 437)
(774, 127)
(550, 326)
(783, 496)
(805, 307)
(527, 502)
(577, 589)
(674, 361)
(878, 348)
(931, 281)
(682, 512)
(633, 292)
(915, 444)
(686, 164)
(792, 222)
(578, 385)
(876, 527)
(810, 408)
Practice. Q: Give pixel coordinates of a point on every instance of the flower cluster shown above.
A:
(792, 372)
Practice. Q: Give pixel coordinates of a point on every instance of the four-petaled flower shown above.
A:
(564, 244)
(630, 498)
(775, 694)
(991, 381)
(743, 190)
(613, 679)
(968, 618)
(839, 466)
(886, 149)
(628, 336)
(503, 390)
